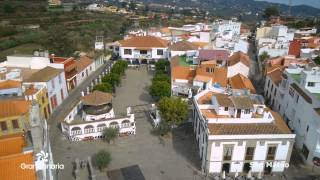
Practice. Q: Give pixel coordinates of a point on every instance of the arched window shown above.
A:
(88, 129)
(100, 127)
(76, 131)
(114, 125)
(125, 124)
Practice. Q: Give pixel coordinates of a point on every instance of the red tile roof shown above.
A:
(239, 57)
(9, 84)
(12, 144)
(9, 108)
(241, 82)
(213, 54)
(144, 41)
(83, 63)
(294, 48)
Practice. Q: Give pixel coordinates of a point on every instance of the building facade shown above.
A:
(236, 133)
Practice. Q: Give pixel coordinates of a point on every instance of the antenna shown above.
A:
(290, 5)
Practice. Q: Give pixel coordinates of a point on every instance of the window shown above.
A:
(311, 84)
(268, 83)
(15, 124)
(247, 111)
(62, 96)
(82, 74)
(207, 69)
(4, 126)
(249, 153)
(271, 152)
(226, 108)
(275, 92)
(159, 52)
(307, 128)
(227, 152)
(90, 68)
(52, 83)
(128, 51)
(60, 79)
(143, 52)
(42, 99)
(297, 99)
(291, 92)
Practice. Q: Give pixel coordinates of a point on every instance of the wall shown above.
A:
(238, 68)
(81, 76)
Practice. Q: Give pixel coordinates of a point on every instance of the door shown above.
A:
(238, 113)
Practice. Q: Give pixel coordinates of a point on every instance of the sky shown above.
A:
(313, 3)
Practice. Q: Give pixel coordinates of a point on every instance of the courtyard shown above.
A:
(173, 157)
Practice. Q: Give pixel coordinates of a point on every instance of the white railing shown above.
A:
(76, 132)
(87, 131)
(142, 56)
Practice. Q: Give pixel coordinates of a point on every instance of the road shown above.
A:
(255, 69)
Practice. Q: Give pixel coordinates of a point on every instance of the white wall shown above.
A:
(238, 68)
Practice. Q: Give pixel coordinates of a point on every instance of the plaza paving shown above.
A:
(169, 158)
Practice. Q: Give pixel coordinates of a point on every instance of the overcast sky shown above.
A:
(314, 3)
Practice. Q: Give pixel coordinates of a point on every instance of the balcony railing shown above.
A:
(142, 56)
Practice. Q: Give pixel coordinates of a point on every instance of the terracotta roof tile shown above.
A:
(12, 144)
(202, 78)
(224, 100)
(44, 75)
(9, 84)
(183, 46)
(239, 57)
(10, 167)
(220, 76)
(275, 76)
(83, 63)
(242, 102)
(9, 108)
(97, 98)
(210, 54)
(144, 41)
(241, 82)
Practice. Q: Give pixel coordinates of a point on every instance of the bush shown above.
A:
(161, 77)
(101, 159)
(110, 134)
(162, 129)
(104, 87)
(112, 78)
(7, 31)
(161, 66)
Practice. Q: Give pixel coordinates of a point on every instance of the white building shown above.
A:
(54, 80)
(183, 48)
(10, 88)
(144, 49)
(237, 133)
(238, 63)
(92, 115)
(85, 66)
(227, 25)
(297, 99)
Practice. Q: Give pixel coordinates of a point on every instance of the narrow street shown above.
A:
(255, 70)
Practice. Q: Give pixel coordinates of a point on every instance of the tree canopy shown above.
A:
(161, 77)
(271, 11)
(264, 56)
(317, 60)
(101, 159)
(173, 110)
(104, 87)
(160, 89)
(110, 134)
(161, 66)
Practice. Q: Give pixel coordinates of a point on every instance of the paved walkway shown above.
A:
(171, 158)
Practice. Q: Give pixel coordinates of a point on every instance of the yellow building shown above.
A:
(38, 93)
(14, 116)
(263, 32)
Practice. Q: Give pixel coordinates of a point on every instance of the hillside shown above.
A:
(235, 8)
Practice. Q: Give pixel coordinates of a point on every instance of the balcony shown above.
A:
(142, 56)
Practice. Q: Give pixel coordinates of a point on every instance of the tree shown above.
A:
(317, 60)
(110, 134)
(161, 77)
(132, 6)
(160, 89)
(112, 78)
(271, 11)
(104, 87)
(161, 66)
(264, 56)
(101, 159)
(173, 110)
(58, 42)
(9, 9)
